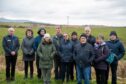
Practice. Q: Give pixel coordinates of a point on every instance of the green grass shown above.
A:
(20, 32)
(20, 80)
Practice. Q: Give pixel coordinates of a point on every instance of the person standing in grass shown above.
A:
(102, 52)
(116, 47)
(90, 38)
(57, 60)
(46, 52)
(66, 53)
(83, 56)
(11, 46)
(75, 41)
(28, 52)
(37, 41)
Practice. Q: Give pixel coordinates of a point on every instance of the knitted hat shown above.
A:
(47, 35)
(113, 33)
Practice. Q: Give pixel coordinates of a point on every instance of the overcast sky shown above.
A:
(100, 12)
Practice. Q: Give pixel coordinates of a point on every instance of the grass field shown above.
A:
(20, 32)
(20, 80)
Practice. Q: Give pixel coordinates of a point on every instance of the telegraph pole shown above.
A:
(67, 21)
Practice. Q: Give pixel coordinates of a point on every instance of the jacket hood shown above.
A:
(40, 30)
(97, 45)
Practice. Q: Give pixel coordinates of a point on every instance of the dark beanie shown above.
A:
(74, 33)
(40, 30)
(113, 33)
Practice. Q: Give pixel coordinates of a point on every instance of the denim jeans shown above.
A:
(83, 72)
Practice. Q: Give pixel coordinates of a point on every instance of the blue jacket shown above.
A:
(117, 48)
(66, 51)
(84, 54)
(10, 43)
(74, 42)
(37, 42)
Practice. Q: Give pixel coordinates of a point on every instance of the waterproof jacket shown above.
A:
(84, 54)
(66, 51)
(10, 43)
(46, 53)
(116, 47)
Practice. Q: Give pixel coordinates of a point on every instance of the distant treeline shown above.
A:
(7, 26)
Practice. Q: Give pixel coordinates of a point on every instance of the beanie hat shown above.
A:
(47, 35)
(113, 33)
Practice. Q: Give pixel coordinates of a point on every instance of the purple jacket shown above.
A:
(101, 53)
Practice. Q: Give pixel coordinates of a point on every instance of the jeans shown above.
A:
(10, 66)
(83, 72)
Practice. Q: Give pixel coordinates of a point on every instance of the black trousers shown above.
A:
(39, 73)
(10, 66)
(114, 72)
(57, 71)
(101, 76)
(65, 71)
(26, 65)
(72, 65)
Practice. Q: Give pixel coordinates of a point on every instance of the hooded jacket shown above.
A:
(38, 39)
(46, 53)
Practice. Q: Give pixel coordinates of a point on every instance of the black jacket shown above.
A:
(84, 54)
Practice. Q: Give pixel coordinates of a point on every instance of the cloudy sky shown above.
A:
(101, 12)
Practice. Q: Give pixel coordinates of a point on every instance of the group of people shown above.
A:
(65, 54)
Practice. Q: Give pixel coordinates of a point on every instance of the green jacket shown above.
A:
(46, 53)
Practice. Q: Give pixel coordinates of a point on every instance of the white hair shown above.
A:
(87, 28)
(11, 29)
